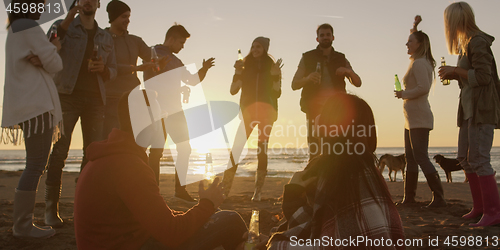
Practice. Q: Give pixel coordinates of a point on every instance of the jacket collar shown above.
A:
(163, 48)
(114, 35)
(78, 22)
(320, 52)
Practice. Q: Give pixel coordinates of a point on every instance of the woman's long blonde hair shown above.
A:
(460, 26)
(424, 50)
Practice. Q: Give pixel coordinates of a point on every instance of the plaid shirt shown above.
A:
(374, 218)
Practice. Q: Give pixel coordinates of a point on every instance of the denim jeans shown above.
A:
(110, 116)
(474, 146)
(91, 112)
(224, 228)
(416, 151)
(37, 145)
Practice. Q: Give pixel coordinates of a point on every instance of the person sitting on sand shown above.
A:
(340, 194)
(118, 203)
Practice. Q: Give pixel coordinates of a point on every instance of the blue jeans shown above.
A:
(91, 112)
(37, 145)
(416, 151)
(474, 146)
(224, 228)
(110, 116)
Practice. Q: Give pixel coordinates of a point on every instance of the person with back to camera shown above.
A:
(340, 194)
(30, 103)
(419, 120)
(118, 204)
(478, 108)
(259, 79)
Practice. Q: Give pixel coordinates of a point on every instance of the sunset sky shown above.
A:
(372, 35)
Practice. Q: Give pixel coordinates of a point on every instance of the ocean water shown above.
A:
(282, 162)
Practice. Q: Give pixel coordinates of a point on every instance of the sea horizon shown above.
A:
(282, 162)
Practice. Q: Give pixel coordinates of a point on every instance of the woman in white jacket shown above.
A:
(31, 107)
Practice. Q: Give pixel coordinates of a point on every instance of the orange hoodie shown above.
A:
(118, 203)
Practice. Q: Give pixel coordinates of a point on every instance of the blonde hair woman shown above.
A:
(479, 107)
(419, 120)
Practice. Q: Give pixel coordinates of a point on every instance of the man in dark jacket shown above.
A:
(127, 49)
(320, 74)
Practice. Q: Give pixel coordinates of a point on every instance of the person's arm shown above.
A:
(276, 77)
(145, 55)
(139, 192)
(418, 19)
(421, 74)
(64, 24)
(235, 85)
(45, 51)
(293, 199)
(206, 66)
(109, 72)
(349, 73)
(300, 79)
(482, 61)
(294, 196)
(106, 70)
(237, 81)
(125, 69)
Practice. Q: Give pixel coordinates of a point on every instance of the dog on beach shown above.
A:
(448, 165)
(394, 163)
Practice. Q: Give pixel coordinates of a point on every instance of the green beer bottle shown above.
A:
(397, 84)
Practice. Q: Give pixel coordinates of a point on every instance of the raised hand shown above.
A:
(213, 192)
(209, 63)
(276, 68)
(418, 19)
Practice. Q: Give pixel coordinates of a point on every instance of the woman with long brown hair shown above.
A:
(259, 79)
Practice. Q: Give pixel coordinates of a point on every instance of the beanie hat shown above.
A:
(264, 41)
(115, 8)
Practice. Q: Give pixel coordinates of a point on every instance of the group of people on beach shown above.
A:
(87, 73)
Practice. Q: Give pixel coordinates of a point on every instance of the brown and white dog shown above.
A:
(448, 165)
(394, 163)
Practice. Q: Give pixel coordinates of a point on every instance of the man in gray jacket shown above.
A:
(127, 49)
(89, 61)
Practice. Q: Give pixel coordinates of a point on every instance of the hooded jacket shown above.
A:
(479, 98)
(118, 203)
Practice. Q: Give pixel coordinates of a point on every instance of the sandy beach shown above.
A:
(425, 224)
